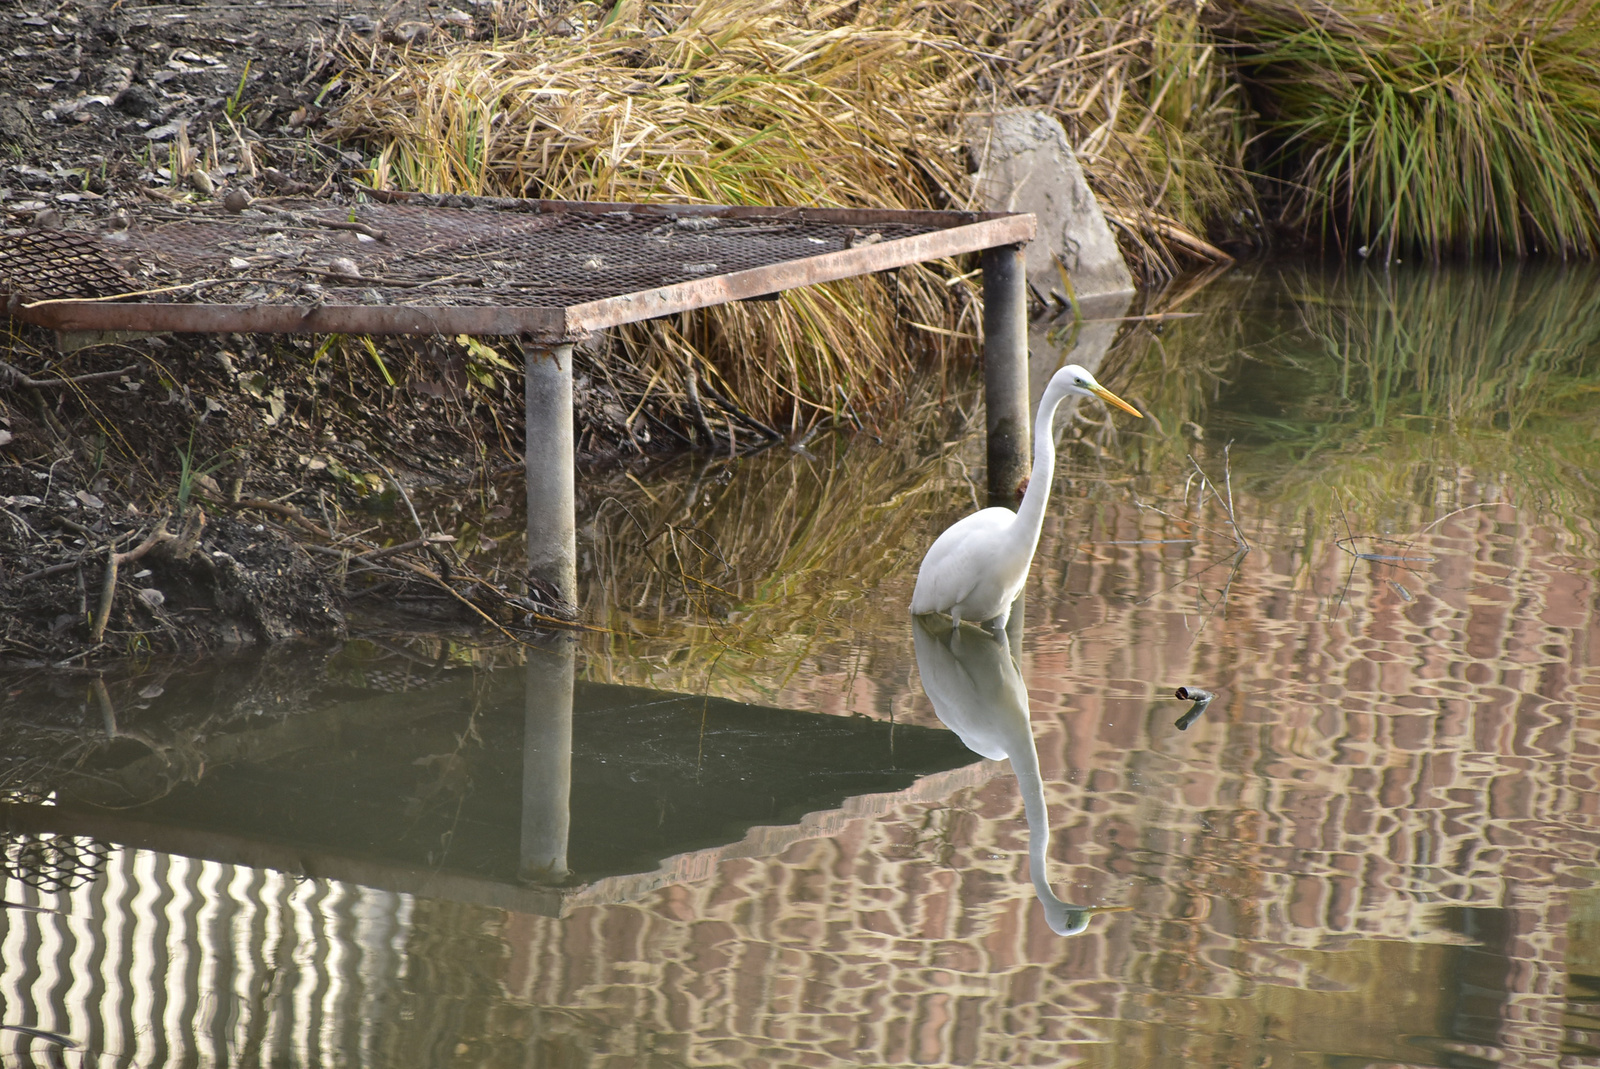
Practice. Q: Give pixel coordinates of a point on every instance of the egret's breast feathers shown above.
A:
(956, 564)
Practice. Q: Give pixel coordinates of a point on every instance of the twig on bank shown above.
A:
(77, 562)
(315, 221)
(388, 551)
(200, 284)
(422, 532)
(15, 375)
(281, 509)
(419, 570)
(54, 569)
(743, 416)
(114, 561)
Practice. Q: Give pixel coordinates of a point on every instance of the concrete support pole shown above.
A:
(547, 763)
(1005, 371)
(552, 537)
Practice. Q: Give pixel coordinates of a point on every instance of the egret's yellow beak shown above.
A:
(1112, 399)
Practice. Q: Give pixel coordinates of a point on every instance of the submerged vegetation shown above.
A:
(1348, 390)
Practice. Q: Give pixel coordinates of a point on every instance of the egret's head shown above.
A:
(1072, 920)
(1079, 381)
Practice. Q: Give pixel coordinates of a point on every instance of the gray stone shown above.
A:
(1025, 164)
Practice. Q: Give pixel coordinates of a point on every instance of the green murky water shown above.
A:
(733, 828)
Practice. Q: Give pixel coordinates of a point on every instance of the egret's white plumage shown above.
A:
(977, 567)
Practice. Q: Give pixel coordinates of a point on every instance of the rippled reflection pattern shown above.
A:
(163, 960)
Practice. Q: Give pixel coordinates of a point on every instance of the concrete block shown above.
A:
(1026, 164)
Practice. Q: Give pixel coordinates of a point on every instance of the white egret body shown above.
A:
(978, 566)
(978, 693)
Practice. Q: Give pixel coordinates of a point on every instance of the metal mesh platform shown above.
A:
(552, 270)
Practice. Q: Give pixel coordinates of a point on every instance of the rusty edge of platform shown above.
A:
(554, 325)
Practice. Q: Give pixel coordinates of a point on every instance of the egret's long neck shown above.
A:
(1030, 515)
(1063, 918)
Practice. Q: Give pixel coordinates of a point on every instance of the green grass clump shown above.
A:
(1434, 127)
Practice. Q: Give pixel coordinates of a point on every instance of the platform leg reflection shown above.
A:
(547, 763)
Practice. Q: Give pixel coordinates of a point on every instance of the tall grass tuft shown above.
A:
(1439, 127)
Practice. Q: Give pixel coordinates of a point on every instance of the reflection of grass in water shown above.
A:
(1371, 403)
(1491, 348)
(1174, 367)
(738, 575)
(1407, 385)
(1366, 381)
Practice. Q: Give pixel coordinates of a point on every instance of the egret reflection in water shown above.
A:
(976, 688)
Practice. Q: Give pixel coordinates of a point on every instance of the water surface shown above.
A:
(1363, 515)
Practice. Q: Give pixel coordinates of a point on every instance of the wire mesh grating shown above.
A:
(411, 264)
(409, 254)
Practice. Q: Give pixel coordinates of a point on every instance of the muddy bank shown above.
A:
(254, 490)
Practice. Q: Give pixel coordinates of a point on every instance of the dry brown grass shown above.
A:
(743, 102)
(785, 102)
(1151, 106)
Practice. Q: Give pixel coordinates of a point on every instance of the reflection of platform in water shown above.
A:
(423, 792)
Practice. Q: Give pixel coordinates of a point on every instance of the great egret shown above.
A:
(978, 693)
(976, 569)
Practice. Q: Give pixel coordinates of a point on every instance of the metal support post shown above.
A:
(547, 763)
(1005, 371)
(552, 529)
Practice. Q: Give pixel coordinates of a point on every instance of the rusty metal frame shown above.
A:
(959, 233)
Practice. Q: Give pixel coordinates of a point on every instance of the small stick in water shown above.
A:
(1201, 699)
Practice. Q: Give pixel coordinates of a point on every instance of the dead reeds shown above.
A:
(1152, 107)
(783, 102)
(745, 102)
